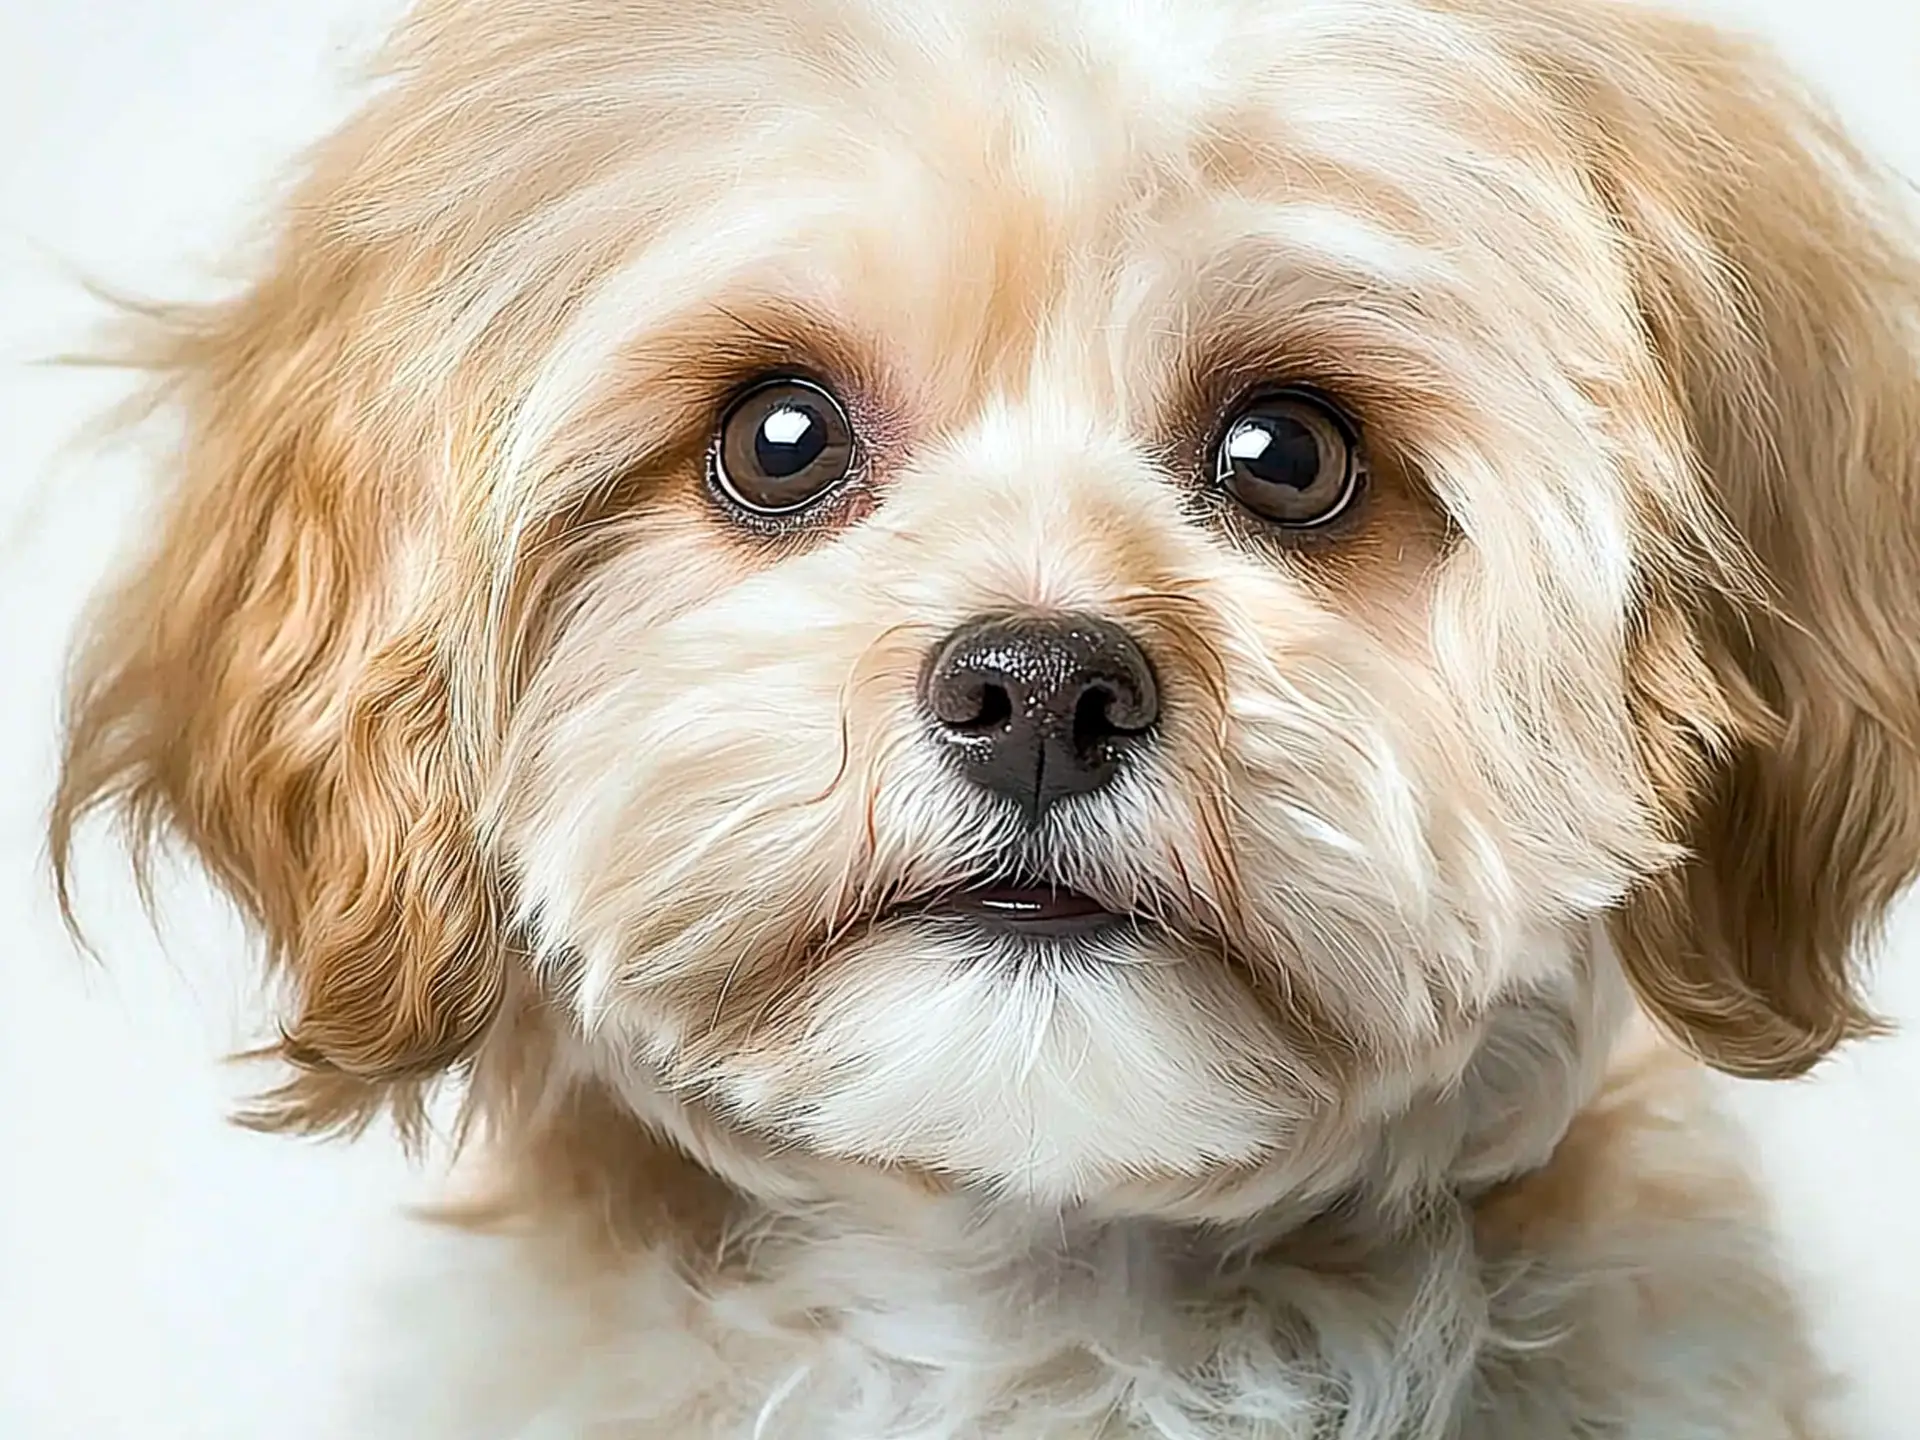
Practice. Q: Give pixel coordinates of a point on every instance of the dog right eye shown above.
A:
(781, 447)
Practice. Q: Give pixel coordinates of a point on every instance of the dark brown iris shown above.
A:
(1289, 458)
(781, 447)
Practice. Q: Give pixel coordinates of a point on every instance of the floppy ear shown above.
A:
(1779, 279)
(269, 684)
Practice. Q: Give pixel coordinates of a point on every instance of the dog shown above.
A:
(1078, 718)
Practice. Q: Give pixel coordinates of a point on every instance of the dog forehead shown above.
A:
(1022, 147)
(1080, 95)
(1073, 94)
(937, 143)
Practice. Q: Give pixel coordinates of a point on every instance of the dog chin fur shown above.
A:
(1580, 755)
(1628, 1288)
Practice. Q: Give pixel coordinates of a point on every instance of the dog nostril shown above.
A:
(1093, 718)
(969, 698)
(991, 709)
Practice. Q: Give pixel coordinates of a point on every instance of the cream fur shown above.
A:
(880, 1313)
(537, 767)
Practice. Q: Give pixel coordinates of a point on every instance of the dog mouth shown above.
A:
(1037, 911)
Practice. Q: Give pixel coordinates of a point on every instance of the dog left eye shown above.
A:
(1289, 457)
(781, 447)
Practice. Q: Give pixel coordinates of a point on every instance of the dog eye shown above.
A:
(1289, 457)
(781, 447)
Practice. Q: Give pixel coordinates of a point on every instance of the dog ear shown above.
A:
(1779, 279)
(271, 683)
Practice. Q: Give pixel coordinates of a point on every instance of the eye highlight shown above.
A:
(782, 447)
(1290, 458)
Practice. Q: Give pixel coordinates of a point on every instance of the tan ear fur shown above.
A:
(263, 685)
(1779, 276)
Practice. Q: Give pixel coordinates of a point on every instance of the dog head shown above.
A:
(1075, 597)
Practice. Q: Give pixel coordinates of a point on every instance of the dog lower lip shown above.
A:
(1029, 909)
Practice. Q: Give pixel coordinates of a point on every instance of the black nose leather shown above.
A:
(1042, 707)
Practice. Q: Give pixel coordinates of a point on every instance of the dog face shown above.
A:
(1066, 596)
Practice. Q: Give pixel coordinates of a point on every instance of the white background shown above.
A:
(163, 1275)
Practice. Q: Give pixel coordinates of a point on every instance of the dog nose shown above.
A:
(1042, 707)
